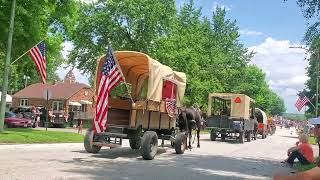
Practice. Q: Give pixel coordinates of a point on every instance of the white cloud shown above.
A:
(222, 6)
(250, 33)
(284, 67)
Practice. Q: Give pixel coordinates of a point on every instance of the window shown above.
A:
(23, 102)
(57, 106)
(86, 93)
(84, 107)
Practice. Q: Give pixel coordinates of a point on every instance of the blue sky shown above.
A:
(272, 18)
(268, 27)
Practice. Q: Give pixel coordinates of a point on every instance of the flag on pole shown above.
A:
(37, 54)
(111, 75)
(302, 101)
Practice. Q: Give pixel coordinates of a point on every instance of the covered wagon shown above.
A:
(230, 115)
(263, 128)
(156, 92)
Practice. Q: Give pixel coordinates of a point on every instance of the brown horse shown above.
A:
(190, 118)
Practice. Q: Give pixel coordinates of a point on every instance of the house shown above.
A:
(66, 96)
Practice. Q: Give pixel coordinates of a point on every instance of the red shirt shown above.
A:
(306, 150)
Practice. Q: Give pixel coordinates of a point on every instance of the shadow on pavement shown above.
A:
(124, 163)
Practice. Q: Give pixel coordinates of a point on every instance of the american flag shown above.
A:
(302, 101)
(37, 54)
(110, 76)
(171, 106)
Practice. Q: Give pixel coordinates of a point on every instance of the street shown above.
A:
(214, 160)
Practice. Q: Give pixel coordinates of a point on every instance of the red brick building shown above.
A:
(66, 96)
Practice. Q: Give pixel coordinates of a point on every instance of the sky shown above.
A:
(267, 27)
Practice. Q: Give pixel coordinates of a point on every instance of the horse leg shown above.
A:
(198, 137)
(190, 138)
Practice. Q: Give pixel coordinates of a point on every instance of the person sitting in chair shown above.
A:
(302, 151)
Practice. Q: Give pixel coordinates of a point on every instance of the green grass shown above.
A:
(299, 167)
(312, 140)
(29, 136)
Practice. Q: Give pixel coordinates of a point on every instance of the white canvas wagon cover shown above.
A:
(240, 109)
(138, 67)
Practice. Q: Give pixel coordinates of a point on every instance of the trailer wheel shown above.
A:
(149, 145)
(223, 137)
(241, 137)
(86, 142)
(213, 135)
(180, 144)
(135, 142)
(249, 136)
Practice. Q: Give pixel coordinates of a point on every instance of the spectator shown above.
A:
(80, 126)
(71, 118)
(302, 151)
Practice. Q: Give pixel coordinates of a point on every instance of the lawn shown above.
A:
(29, 136)
(312, 140)
(299, 167)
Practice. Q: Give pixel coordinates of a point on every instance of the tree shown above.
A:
(128, 24)
(35, 21)
(311, 9)
(207, 50)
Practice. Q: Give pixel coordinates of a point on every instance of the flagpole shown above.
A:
(312, 104)
(27, 51)
(124, 79)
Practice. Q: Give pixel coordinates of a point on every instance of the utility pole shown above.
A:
(7, 67)
(317, 93)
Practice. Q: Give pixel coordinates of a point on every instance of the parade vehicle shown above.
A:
(231, 116)
(272, 126)
(263, 126)
(149, 110)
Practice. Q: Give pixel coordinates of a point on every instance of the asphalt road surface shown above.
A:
(214, 160)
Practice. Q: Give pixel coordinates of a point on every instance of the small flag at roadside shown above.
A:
(110, 76)
(37, 54)
(301, 102)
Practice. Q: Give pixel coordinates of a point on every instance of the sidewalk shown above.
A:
(72, 130)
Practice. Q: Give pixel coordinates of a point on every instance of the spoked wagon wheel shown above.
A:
(87, 142)
(149, 145)
(180, 144)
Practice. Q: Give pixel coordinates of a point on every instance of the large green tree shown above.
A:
(208, 50)
(128, 24)
(310, 10)
(50, 19)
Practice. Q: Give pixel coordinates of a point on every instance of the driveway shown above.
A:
(214, 160)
